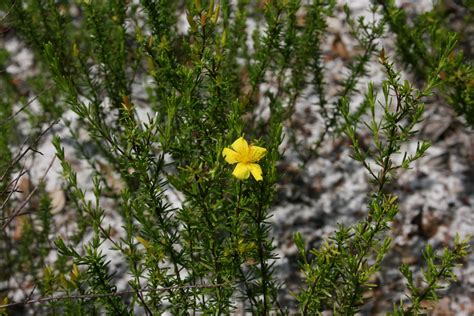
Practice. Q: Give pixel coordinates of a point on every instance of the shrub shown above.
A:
(155, 108)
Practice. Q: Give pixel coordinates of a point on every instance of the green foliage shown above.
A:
(158, 104)
(438, 272)
(340, 272)
(421, 39)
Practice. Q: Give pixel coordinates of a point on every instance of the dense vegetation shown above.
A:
(155, 97)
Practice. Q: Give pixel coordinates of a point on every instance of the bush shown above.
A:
(157, 107)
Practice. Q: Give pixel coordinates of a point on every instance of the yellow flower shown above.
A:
(245, 156)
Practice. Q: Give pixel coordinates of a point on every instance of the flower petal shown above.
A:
(241, 146)
(256, 153)
(256, 171)
(231, 156)
(242, 171)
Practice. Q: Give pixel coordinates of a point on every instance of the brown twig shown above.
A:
(28, 198)
(30, 147)
(13, 184)
(122, 293)
(8, 12)
(8, 119)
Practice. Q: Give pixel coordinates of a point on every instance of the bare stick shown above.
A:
(123, 293)
(18, 210)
